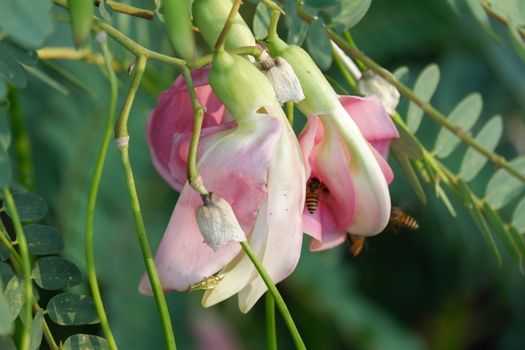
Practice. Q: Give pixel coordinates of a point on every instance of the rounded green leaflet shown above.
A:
(43, 240)
(5, 131)
(503, 187)
(424, 88)
(32, 22)
(6, 174)
(261, 21)
(14, 294)
(54, 273)
(488, 137)
(68, 309)
(6, 324)
(518, 218)
(464, 116)
(30, 206)
(85, 341)
(36, 331)
(318, 44)
(350, 12)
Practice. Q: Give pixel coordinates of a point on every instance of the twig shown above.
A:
(122, 138)
(502, 20)
(498, 160)
(25, 337)
(92, 199)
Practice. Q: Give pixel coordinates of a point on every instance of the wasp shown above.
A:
(207, 283)
(357, 243)
(400, 219)
(314, 186)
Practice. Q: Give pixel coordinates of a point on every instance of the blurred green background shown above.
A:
(436, 288)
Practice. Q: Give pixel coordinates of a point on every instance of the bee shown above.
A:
(357, 243)
(400, 219)
(314, 186)
(207, 283)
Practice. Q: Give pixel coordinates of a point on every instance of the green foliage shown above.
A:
(261, 21)
(425, 87)
(503, 187)
(488, 137)
(319, 44)
(37, 330)
(85, 341)
(27, 22)
(11, 58)
(518, 219)
(464, 116)
(6, 324)
(69, 309)
(53, 273)
(30, 206)
(43, 240)
(14, 294)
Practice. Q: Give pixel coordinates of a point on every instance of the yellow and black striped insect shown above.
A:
(400, 219)
(357, 243)
(314, 186)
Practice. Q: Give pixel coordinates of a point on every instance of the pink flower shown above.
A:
(255, 165)
(355, 200)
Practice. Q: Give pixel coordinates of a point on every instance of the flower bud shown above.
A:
(282, 77)
(210, 16)
(373, 84)
(239, 85)
(217, 222)
(320, 96)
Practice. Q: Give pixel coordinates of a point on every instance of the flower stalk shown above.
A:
(279, 301)
(122, 139)
(93, 192)
(26, 269)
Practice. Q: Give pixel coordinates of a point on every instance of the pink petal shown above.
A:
(234, 167)
(373, 121)
(174, 114)
(286, 194)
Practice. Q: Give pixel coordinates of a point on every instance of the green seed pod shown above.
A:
(210, 16)
(178, 27)
(320, 97)
(239, 85)
(81, 12)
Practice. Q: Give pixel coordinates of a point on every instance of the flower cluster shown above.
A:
(259, 173)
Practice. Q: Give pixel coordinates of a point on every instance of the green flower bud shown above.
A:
(239, 85)
(320, 97)
(178, 27)
(210, 16)
(81, 12)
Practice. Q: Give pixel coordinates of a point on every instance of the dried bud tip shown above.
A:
(282, 76)
(217, 222)
(373, 84)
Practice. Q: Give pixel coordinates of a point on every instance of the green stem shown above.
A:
(128, 10)
(271, 331)
(26, 269)
(498, 17)
(18, 267)
(193, 176)
(92, 199)
(9, 245)
(121, 136)
(21, 141)
(219, 45)
(438, 117)
(344, 70)
(274, 21)
(279, 301)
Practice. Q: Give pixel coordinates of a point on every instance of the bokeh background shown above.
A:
(436, 288)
